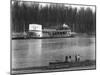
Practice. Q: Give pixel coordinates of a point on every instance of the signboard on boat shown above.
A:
(35, 27)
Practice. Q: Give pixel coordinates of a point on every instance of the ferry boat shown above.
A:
(38, 32)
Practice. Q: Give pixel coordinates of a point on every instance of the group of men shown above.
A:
(69, 58)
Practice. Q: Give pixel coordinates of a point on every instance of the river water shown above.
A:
(39, 52)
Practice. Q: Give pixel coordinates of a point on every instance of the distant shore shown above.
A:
(18, 38)
(72, 36)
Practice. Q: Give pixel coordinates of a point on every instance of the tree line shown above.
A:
(81, 21)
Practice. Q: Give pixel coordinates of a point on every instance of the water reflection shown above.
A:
(39, 52)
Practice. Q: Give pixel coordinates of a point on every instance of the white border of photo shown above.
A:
(5, 42)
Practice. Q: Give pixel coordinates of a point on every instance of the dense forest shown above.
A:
(54, 15)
